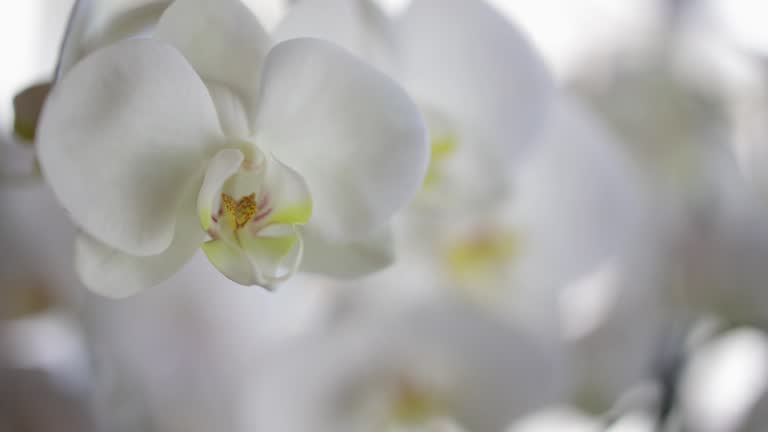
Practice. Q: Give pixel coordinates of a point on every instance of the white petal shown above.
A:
(486, 374)
(232, 113)
(222, 40)
(465, 60)
(274, 253)
(97, 23)
(112, 273)
(231, 261)
(121, 137)
(348, 260)
(497, 372)
(289, 194)
(351, 132)
(357, 25)
(580, 199)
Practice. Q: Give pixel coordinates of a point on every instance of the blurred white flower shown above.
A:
(483, 91)
(723, 380)
(578, 206)
(488, 101)
(706, 246)
(438, 368)
(566, 34)
(709, 236)
(128, 135)
(180, 366)
(569, 209)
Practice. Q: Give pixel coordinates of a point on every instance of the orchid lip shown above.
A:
(250, 207)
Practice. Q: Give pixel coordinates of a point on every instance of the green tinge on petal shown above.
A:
(293, 215)
(481, 257)
(273, 248)
(274, 253)
(413, 409)
(206, 220)
(230, 261)
(443, 147)
(413, 405)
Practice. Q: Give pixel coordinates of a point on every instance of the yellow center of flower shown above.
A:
(443, 147)
(413, 405)
(242, 210)
(482, 257)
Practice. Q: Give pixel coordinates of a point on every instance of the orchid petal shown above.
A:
(580, 199)
(232, 113)
(112, 273)
(231, 261)
(95, 24)
(264, 258)
(471, 368)
(465, 60)
(348, 260)
(289, 195)
(121, 136)
(357, 25)
(223, 41)
(274, 252)
(496, 382)
(352, 133)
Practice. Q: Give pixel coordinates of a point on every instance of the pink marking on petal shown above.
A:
(262, 215)
(264, 201)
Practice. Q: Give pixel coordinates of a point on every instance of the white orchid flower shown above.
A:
(211, 327)
(578, 204)
(709, 242)
(708, 213)
(483, 90)
(434, 368)
(153, 145)
(475, 77)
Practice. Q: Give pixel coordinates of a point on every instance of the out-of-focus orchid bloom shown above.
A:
(724, 380)
(485, 94)
(203, 130)
(570, 42)
(483, 91)
(436, 368)
(578, 205)
(206, 324)
(711, 239)
(706, 250)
